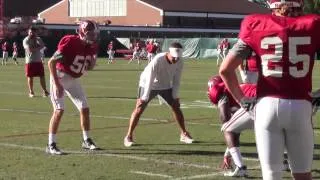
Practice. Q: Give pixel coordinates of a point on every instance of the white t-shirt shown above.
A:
(159, 74)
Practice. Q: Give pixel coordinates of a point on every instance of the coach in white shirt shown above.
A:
(160, 77)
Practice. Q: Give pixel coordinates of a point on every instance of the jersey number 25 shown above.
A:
(277, 56)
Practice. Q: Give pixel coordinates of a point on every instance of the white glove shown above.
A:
(248, 103)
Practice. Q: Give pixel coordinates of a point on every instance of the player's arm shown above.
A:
(53, 71)
(227, 69)
(224, 109)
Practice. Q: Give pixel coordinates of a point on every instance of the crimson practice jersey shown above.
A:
(286, 47)
(251, 63)
(76, 55)
(216, 93)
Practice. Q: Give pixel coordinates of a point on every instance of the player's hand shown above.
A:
(248, 103)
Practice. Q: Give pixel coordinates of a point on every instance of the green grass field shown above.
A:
(111, 91)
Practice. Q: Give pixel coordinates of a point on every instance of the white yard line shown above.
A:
(317, 132)
(150, 174)
(99, 153)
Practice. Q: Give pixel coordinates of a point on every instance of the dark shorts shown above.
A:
(34, 69)
(166, 94)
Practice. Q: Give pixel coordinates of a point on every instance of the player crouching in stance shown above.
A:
(160, 77)
(75, 55)
(234, 120)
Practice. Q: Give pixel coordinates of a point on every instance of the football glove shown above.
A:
(248, 103)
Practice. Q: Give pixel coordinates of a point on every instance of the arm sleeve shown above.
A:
(150, 74)
(241, 49)
(176, 81)
(64, 45)
(62, 49)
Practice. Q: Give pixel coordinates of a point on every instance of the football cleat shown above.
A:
(186, 138)
(89, 144)
(46, 94)
(226, 163)
(53, 149)
(285, 166)
(31, 95)
(238, 172)
(127, 142)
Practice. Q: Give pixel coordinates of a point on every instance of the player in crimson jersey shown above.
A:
(75, 55)
(285, 43)
(5, 49)
(234, 120)
(111, 51)
(249, 70)
(15, 52)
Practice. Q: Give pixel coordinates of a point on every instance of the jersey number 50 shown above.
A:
(80, 64)
(277, 56)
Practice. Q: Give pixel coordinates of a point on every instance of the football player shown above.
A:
(5, 49)
(74, 56)
(160, 77)
(234, 120)
(111, 51)
(15, 52)
(285, 43)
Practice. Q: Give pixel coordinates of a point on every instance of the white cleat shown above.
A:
(186, 138)
(238, 172)
(53, 149)
(127, 142)
(89, 144)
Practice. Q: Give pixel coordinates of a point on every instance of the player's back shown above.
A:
(286, 47)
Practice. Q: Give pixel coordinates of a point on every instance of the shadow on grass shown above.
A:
(110, 97)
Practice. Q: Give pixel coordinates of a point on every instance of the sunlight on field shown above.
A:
(111, 90)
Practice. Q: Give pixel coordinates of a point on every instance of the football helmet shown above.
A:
(274, 4)
(88, 31)
(215, 88)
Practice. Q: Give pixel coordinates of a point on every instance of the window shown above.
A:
(89, 8)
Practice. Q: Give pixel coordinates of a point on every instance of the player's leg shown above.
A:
(270, 138)
(38, 70)
(177, 114)
(240, 121)
(5, 58)
(58, 110)
(136, 114)
(76, 94)
(299, 140)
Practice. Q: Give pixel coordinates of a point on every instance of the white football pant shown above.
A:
(280, 124)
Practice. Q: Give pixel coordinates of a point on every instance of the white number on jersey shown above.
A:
(80, 64)
(277, 56)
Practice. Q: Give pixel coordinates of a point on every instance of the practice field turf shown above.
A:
(111, 91)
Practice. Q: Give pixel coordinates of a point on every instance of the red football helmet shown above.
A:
(215, 88)
(274, 4)
(88, 31)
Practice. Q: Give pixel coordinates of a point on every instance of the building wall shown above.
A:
(136, 15)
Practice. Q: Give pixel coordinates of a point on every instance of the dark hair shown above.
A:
(32, 28)
(176, 45)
